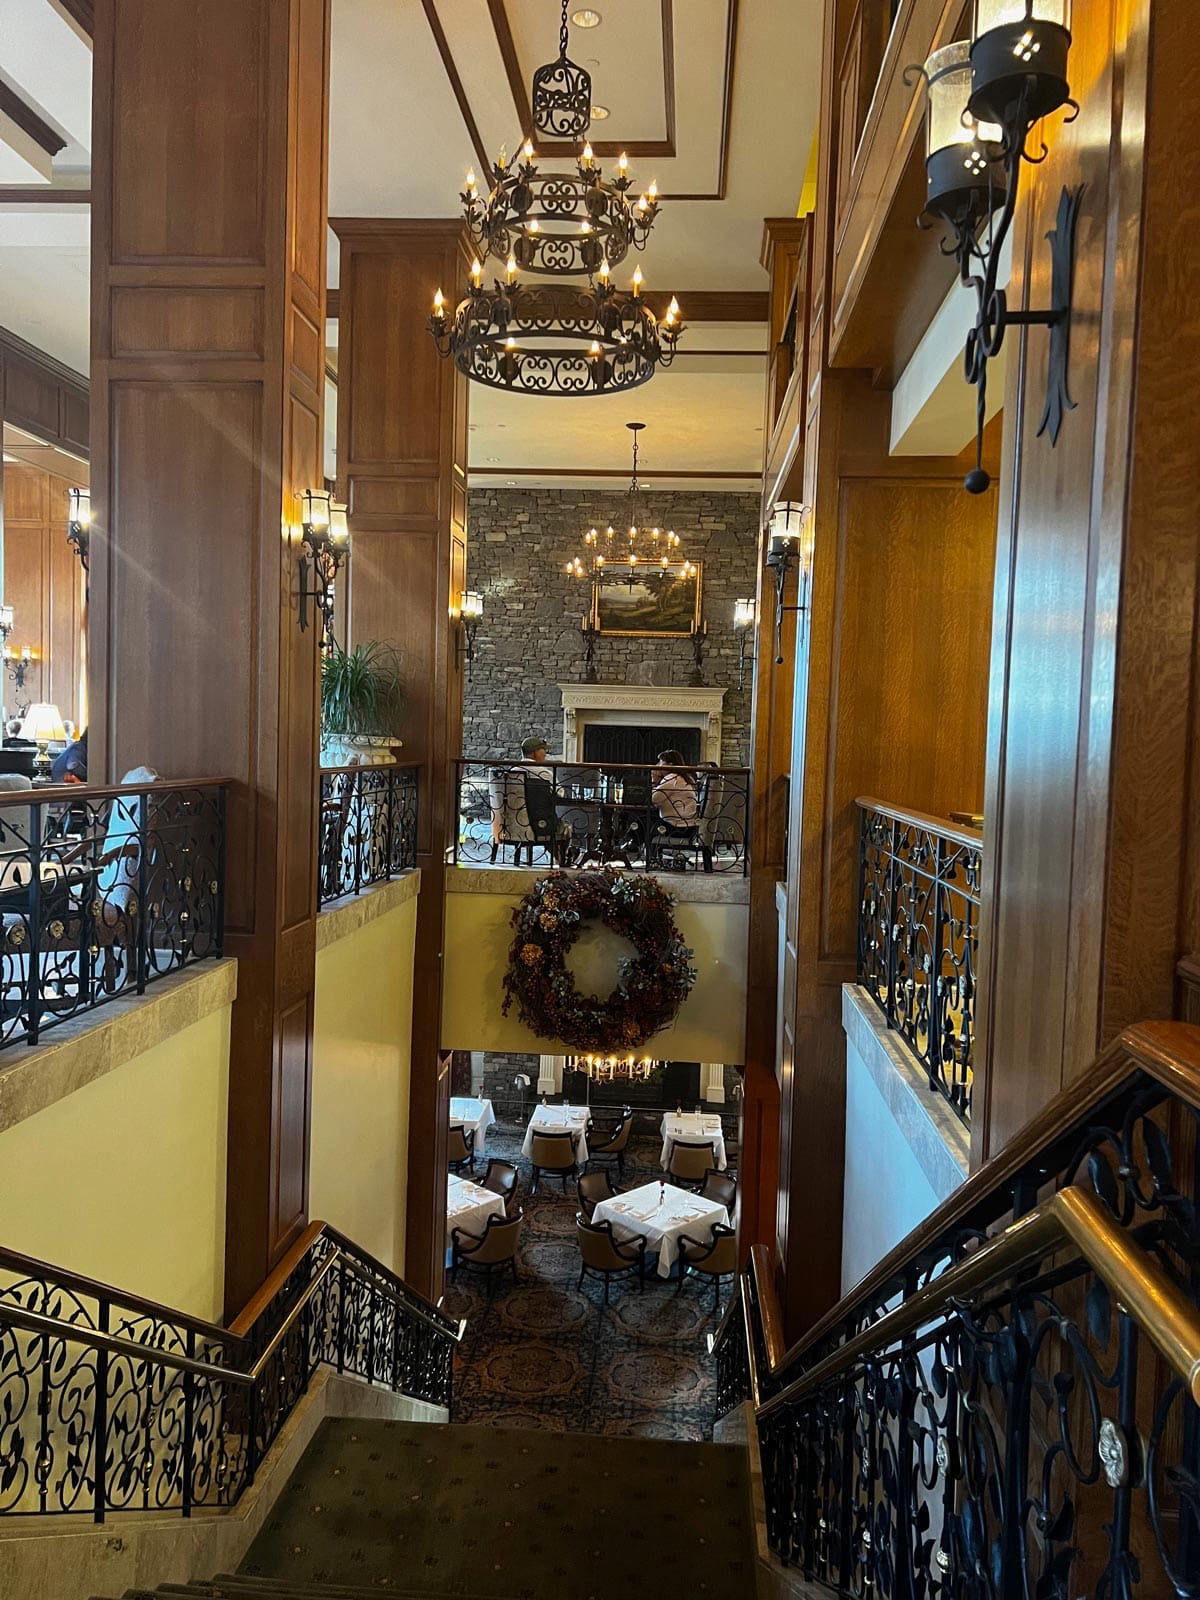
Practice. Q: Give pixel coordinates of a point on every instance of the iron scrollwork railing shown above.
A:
(585, 814)
(368, 827)
(103, 891)
(1009, 1405)
(918, 933)
(109, 1403)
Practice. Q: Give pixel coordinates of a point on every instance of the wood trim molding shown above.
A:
(27, 119)
(20, 195)
(456, 83)
(699, 305)
(81, 12)
(12, 344)
(605, 472)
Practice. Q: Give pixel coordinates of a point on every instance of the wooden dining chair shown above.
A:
(602, 1255)
(553, 1153)
(501, 1178)
(460, 1148)
(714, 1258)
(594, 1187)
(493, 1252)
(720, 1189)
(613, 1145)
(689, 1160)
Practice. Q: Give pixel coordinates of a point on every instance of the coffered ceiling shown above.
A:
(715, 100)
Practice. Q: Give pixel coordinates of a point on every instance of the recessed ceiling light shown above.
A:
(599, 113)
(586, 18)
(512, 483)
(492, 460)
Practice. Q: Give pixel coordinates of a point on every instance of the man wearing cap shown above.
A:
(549, 829)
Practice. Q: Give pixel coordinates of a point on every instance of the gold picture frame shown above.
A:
(665, 606)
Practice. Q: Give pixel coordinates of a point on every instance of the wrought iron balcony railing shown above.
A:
(1009, 1404)
(103, 891)
(578, 814)
(368, 827)
(110, 1403)
(918, 937)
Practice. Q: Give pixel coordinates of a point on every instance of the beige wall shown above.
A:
(711, 1025)
(361, 1064)
(124, 1180)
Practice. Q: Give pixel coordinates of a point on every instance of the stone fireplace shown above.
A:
(636, 706)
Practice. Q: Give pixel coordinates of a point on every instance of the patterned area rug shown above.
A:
(544, 1354)
(413, 1508)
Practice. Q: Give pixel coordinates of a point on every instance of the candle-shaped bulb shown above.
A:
(673, 309)
(510, 343)
(476, 271)
(502, 158)
(532, 225)
(511, 268)
(652, 192)
(471, 179)
(439, 303)
(623, 163)
(637, 281)
(587, 155)
(604, 271)
(595, 351)
(527, 150)
(585, 226)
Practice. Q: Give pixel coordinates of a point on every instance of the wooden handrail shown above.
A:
(1167, 1052)
(971, 837)
(82, 793)
(358, 767)
(592, 766)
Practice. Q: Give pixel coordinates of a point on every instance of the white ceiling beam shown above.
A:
(44, 58)
(22, 159)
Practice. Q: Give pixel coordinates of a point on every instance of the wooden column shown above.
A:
(208, 314)
(402, 468)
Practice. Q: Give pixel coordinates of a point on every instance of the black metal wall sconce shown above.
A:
(699, 638)
(589, 633)
(744, 612)
(985, 96)
(325, 535)
(470, 615)
(789, 542)
(17, 661)
(79, 527)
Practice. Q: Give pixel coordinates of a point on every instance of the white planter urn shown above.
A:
(359, 749)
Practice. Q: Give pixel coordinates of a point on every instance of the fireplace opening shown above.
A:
(637, 745)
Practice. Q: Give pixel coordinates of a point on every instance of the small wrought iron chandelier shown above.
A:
(645, 554)
(562, 93)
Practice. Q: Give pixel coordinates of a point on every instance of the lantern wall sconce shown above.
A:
(789, 542)
(744, 613)
(985, 96)
(6, 623)
(470, 615)
(79, 526)
(325, 535)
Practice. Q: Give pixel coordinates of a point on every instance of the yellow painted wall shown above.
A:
(710, 1025)
(362, 1056)
(124, 1180)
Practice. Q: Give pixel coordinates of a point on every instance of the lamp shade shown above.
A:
(81, 508)
(1019, 55)
(43, 724)
(743, 613)
(991, 14)
(964, 178)
(784, 529)
(471, 609)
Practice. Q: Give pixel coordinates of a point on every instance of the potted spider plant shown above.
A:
(361, 704)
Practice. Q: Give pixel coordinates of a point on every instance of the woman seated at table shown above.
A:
(674, 798)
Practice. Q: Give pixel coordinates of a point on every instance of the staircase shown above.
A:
(427, 1511)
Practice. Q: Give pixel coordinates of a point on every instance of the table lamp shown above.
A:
(43, 725)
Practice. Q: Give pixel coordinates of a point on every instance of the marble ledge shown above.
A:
(95, 1043)
(353, 911)
(688, 888)
(938, 1138)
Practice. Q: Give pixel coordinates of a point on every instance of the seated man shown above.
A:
(549, 829)
(70, 765)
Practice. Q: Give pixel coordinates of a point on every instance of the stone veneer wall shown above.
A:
(529, 642)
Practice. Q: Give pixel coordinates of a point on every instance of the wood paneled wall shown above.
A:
(44, 584)
(208, 282)
(1092, 864)
(402, 468)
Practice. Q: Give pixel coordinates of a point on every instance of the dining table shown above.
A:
(660, 1213)
(693, 1128)
(556, 1119)
(468, 1207)
(473, 1115)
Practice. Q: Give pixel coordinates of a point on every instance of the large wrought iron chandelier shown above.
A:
(638, 555)
(556, 338)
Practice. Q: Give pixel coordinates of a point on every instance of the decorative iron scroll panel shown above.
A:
(1030, 1443)
(918, 937)
(587, 814)
(102, 894)
(92, 1431)
(368, 828)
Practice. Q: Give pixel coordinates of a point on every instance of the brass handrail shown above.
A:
(37, 1322)
(1071, 1215)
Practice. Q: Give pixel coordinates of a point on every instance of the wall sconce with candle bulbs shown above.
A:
(6, 623)
(325, 535)
(789, 541)
(470, 615)
(744, 615)
(17, 661)
(79, 526)
(984, 99)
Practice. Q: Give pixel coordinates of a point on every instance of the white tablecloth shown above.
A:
(554, 1119)
(692, 1129)
(660, 1223)
(474, 1114)
(468, 1206)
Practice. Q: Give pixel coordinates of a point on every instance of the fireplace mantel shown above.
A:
(625, 703)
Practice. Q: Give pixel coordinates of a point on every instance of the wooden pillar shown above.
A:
(402, 468)
(208, 315)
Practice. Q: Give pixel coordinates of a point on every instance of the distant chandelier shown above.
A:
(562, 93)
(606, 1068)
(642, 552)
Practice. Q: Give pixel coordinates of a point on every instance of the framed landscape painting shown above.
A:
(650, 607)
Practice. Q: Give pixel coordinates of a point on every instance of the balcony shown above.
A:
(368, 827)
(918, 937)
(103, 891)
(570, 814)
